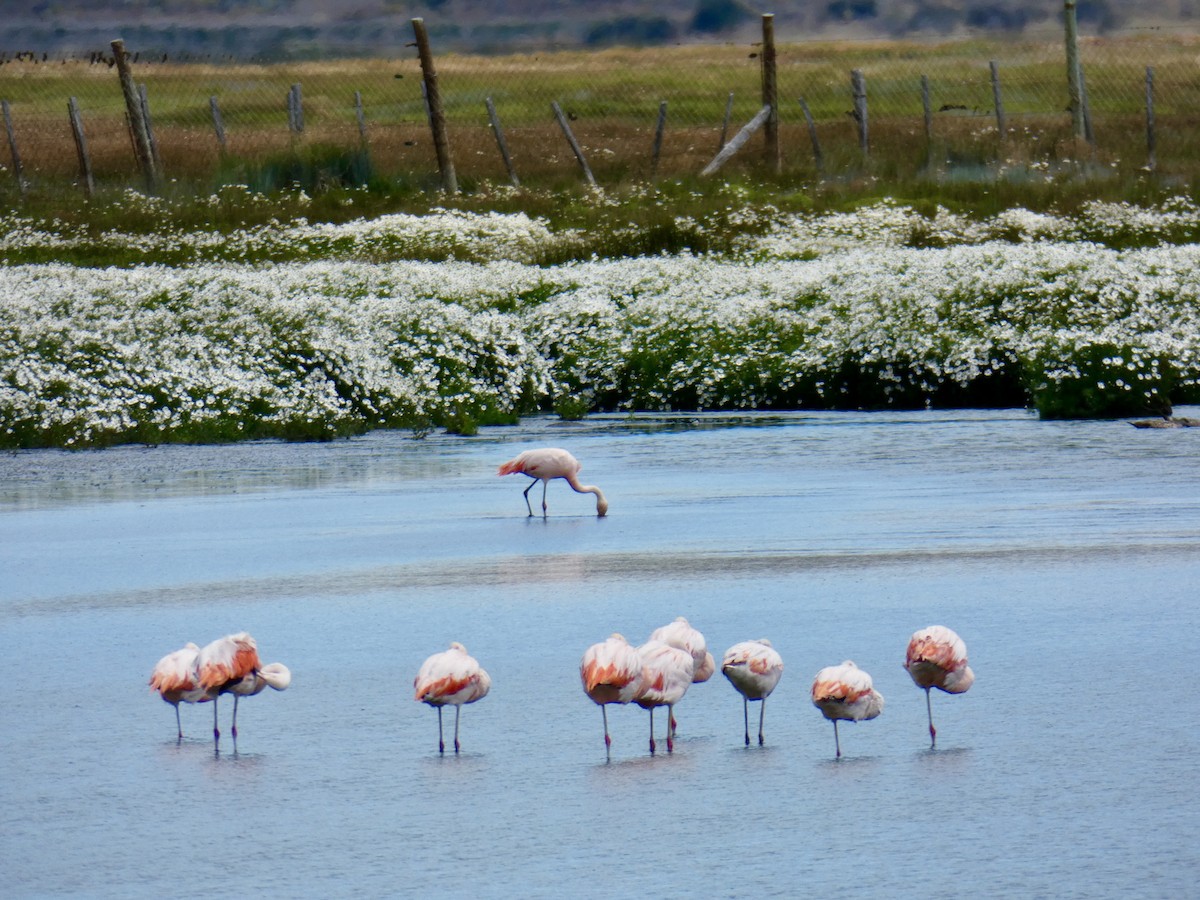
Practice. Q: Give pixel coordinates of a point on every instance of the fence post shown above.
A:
(997, 100)
(770, 95)
(927, 106)
(361, 117)
(1074, 91)
(501, 142)
(137, 122)
(85, 161)
(658, 137)
(1088, 134)
(144, 100)
(859, 85)
(1151, 140)
(295, 109)
(218, 124)
(437, 116)
(725, 122)
(738, 141)
(812, 136)
(18, 170)
(575, 148)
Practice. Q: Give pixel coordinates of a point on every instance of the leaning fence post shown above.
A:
(997, 101)
(137, 121)
(144, 101)
(85, 162)
(725, 122)
(575, 148)
(738, 141)
(812, 136)
(770, 95)
(1074, 89)
(859, 85)
(1151, 141)
(437, 116)
(501, 142)
(18, 171)
(218, 124)
(658, 137)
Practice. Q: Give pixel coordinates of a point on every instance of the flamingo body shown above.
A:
(682, 635)
(667, 674)
(177, 680)
(754, 669)
(451, 678)
(230, 665)
(611, 672)
(845, 692)
(546, 464)
(937, 658)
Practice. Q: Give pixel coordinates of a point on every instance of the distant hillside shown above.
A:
(293, 29)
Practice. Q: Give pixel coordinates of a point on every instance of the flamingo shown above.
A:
(273, 675)
(937, 658)
(548, 463)
(176, 678)
(452, 676)
(845, 692)
(611, 672)
(223, 663)
(682, 635)
(667, 674)
(754, 668)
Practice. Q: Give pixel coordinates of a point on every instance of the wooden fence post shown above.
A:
(144, 101)
(501, 142)
(437, 116)
(361, 117)
(658, 137)
(997, 100)
(575, 148)
(927, 107)
(770, 95)
(812, 136)
(725, 123)
(81, 150)
(295, 109)
(1151, 140)
(18, 170)
(1074, 90)
(738, 141)
(858, 84)
(218, 123)
(137, 122)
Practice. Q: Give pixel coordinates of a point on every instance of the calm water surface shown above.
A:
(1067, 555)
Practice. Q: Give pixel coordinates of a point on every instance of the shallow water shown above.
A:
(1067, 555)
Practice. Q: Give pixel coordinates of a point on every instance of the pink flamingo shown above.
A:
(754, 668)
(611, 672)
(937, 658)
(667, 676)
(230, 665)
(681, 635)
(177, 680)
(845, 692)
(451, 677)
(548, 463)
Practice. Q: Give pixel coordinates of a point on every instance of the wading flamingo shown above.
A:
(611, 672)
(937, 658)
(177, 680)
(754, 668)
(223, 663)
(681, 635)
(667, 674)
(451, 677)
(548, 463)
(272, 675)
(845, 692)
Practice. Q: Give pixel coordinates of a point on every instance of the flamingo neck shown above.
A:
(601, 500)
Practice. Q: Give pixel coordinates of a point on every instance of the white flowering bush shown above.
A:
(820, 312)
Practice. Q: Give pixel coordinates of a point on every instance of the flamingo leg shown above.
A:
(457, 712)
(526, 495)
(932, 730)
(652, 731)
(762, 712)
(670, 728)
(441, 743)
(216, 730)
(178, 722)
(836, 743)
(746, 716)
(234, 729)
(604, 713)
(545, 485)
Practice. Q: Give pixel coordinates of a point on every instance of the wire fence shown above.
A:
(958, 108)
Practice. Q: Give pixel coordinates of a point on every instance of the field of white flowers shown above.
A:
(883, 307)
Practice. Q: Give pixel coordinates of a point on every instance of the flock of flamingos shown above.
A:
(657, 673)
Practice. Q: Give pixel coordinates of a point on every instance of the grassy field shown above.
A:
(613, 98)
